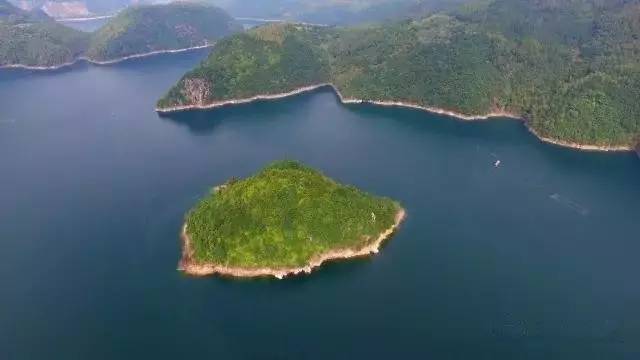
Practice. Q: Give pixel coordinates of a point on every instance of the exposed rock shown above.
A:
(196, 91)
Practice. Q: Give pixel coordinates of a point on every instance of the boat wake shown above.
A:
(569, 204)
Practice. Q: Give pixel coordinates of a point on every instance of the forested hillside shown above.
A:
(571, 68)
(41, 42)
(150, 28)
(31, 38)
(332, 12)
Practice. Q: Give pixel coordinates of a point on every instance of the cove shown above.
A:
(534, 259)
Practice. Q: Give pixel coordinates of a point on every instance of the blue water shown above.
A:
(536, 259)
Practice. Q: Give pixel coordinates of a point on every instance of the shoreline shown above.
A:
(187, 266)
(105, 62)
(433, 110)
(81, 19)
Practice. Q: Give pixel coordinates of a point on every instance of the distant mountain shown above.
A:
(81, 8)
(313, 11)
(570, 68)
(11, 13)
(37, 42)
(334, 11)
(144, 29)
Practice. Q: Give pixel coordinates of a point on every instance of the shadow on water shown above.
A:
(198, 122)
(203, 122)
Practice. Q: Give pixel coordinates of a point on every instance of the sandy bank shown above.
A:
(434, 110)
(105, 62)
(190, 267)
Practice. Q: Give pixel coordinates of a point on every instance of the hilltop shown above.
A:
(571, 69)
(285, 220)
(146, 29)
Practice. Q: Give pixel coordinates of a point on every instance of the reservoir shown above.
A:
(534, 258)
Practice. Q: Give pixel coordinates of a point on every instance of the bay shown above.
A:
(536, 258)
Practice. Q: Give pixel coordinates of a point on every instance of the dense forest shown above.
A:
(284, 216)
(150, 28)
(570, 68)
(34, 39)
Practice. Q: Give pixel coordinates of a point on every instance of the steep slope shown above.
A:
(570, 68)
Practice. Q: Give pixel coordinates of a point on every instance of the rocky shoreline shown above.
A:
(434, 110)
(224, 103)
(188, 266)
(105, 62)
(583, 147)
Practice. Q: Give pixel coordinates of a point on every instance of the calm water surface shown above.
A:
(535, 259)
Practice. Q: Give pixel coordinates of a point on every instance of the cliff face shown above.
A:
(196, 91)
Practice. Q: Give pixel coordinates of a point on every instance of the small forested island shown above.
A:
(570, 69)
(39, 42)
(285, 220)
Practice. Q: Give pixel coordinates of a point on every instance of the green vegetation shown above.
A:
(150, 28)
(34, 41)
(571, 68)
(31, 38)
(333, 11)
(40, 44)
(284, 216)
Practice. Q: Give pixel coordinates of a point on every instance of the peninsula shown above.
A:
(286, 220)
(42, 43)
(567, 69)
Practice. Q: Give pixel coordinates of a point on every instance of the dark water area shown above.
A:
(535, 259)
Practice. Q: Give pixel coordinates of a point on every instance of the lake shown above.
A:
(537, 258)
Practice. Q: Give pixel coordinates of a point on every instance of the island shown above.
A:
(569, 69)
(39, 42)
(286, 220)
